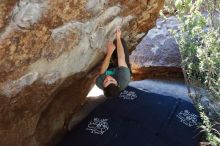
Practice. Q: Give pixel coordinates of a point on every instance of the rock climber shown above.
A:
(115, 72)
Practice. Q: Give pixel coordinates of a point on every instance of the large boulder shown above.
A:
(157, 55)
(49, 53)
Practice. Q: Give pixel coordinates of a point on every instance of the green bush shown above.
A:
(199, 43)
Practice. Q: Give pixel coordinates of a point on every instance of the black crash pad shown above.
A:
(138, 118)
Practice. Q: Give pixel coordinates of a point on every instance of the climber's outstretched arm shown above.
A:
(110, 50)
(120, 49)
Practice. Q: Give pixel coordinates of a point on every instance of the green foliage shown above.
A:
(199, 43)
(169, 7)
(212, 135)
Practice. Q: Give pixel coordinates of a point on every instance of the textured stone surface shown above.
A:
(158, 55)
(49, 51)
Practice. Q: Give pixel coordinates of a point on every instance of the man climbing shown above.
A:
(115, 71)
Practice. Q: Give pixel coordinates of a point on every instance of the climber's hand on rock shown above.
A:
(118, 32)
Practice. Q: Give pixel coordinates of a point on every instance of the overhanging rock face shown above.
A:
(49, 51)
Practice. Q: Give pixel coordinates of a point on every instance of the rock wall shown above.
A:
(49, 54)
(157, 55)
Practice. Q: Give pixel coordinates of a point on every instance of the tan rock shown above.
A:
(49, 51)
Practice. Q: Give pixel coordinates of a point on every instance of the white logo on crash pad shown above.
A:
(98, 126)
(187, 118)
(128, 95)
